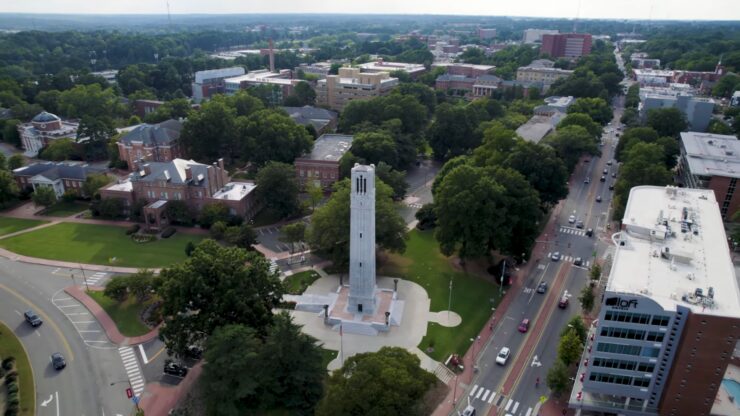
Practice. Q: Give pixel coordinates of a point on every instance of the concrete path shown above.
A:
(68, 264)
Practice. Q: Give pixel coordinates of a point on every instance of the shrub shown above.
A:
(69, 196)
(12, 387)
(143, 238)
(12, 397)
(11, 377)
(218, 230)
(8, 363)
(133, 229)
(168, 232)
(117, 288)
(12, 410)
(2, 372)
(189, 248)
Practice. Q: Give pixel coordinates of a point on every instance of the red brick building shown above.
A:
(197, 184)
(61, 177)
(321, 166)
(151, 143)
(566, 45)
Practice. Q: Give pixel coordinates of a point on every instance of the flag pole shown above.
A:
(341, 347)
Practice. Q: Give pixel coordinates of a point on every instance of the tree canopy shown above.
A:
(277, 188)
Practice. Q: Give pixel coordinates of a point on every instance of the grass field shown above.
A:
(65, 209)
(98, 244)
(10, 345)
(472, 296)
(125, 314)
(11, 225)
(296, 284)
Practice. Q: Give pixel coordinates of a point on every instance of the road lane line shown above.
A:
(63, 299)
(157, 354)
(19, 314)
(143, 354)
(91, 330)
(82, 322)
(46, 318)
(56, 394)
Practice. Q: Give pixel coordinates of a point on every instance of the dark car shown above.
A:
(175, 369)
(542, 287)
(611, 186)
(598, 198)
(579, 224)
(590, 232)
(195, 352)
(614, 174)
(606, 171)
(57, 361)
(563, 302)
(578, 261)
(32, 318)
(603, 178)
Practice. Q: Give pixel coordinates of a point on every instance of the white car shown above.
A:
(503, 356)
(571, 219)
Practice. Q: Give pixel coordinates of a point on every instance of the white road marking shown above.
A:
(56, 394)
(508, 404)
(485, 395)
(131, 365)
(67, 306)
(63, 299)
(90, 330)
(143, 354)
(529, 412)
(472, 392)
(490, 400)
(47, 401)
(477, 396)
(19, 314)
(82, 322)
(516, 406)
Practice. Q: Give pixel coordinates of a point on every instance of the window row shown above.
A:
(616, 379)
(632, 334)
(637, 318)
(624, 365)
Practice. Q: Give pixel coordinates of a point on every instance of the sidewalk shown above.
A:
(68, 264)
(105, 320)
(464, 379)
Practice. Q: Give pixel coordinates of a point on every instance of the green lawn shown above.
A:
(125, 314)
(296, 284)
(11, 225)
(471, 295)
(10, 345)
(328, 356)
(98, 244)
(65, 209)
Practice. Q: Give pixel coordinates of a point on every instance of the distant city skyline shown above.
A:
(586, 9)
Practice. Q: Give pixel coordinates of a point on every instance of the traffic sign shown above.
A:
(136, 399)
(129, 393)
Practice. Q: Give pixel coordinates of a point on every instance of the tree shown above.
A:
(242, 236)
(117, 288)
(3, 162)
(211, 132)
(8, 188)
(244, 103)
(595, 272)
(277, 188)
(719, 127)
(387, 382)
(315, 194)
(587, 298)
(374, 147)
(421, 92)
(142, 283)
(576, 324)
(426, 217)
(214, 287)
(93, 183)
(211, 213)
(452, 132)
(291, 368)
(232, 369)
(59, 150)
(270, 135)
(572, 142)
(596, 108)
(89, 100)
(667, 121)
(179, 213)
(645, 165)
(583, 120)
(44, 196)
(10, 132)
(726, 86)
(329, 229)
(569, 348)
(293, 233)
(631, 137)
(302, 95)
(393, 178)
(109, 208)
(218, 230)
(558, 378)
(48, 100)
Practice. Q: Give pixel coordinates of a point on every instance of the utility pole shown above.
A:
(503, 272)
(449, 302)
(84, 279)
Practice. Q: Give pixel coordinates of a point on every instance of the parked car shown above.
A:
(524, 326)
(57, 361)
(469, 411)
(503, 356)
(605, 171)
(614, 174)
(571, 219)
(578, 261)
(175, 369)
(195, 352)
(579, 224)
(555, 256)
(608, 163)
(590, 232)
(587, 180)
(32, 318)
(542, 287)
(563, 302)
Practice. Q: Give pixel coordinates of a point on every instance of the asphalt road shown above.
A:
(512, 388)
(83, 387)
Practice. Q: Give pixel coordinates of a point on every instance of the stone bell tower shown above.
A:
(362, 241)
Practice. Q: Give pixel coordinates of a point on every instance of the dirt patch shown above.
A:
(391, 264)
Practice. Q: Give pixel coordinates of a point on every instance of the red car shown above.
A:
(524, 326)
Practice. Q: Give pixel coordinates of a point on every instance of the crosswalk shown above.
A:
(488, 396)
(131, 365)
(414, 205)
(572, 259)
(572, 231)
(274, 266)
(96, 279)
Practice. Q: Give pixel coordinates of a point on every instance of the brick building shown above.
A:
(151, 143)
(144, 107)
(670, 312)
(566, 45)
(60, 176)
(43, 129)
(197, 184)
(321, 166)
(712, 161)
(336, 91)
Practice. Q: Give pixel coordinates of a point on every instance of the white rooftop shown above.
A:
(260, 76)
(124, 186)
(201, 76)
(674, 246)
(653, 72)
(712, 154)
(235, 191)
(463, 65)
(380, 65)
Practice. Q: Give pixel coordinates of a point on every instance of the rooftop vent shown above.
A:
(200, 177)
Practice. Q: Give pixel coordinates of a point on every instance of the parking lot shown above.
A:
(269, 237)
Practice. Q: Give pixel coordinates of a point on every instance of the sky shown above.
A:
(611, 9)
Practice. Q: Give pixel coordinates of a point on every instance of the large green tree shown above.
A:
(645, 165)
(570, 347)
(667, 121)
(375, 147)
(211, 132)
(583, 120)
(216, 286)
(596, 108)
(387, 382)
(89, 100)
(329, 230)
(572, 142)
(277, 188)
(557, 377)
(270, 135)
(453, 131)
(8, 188)
(44, 196)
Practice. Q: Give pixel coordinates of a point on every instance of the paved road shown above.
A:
(83, 388)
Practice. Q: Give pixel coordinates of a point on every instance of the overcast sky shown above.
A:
(630, 9)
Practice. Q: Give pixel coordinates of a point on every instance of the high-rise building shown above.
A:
(698, 110)
(566, 45)
(485, 34)
(362, 241)
(211, 81)
(670, 314)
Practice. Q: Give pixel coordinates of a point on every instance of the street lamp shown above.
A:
(449, 302)
(475, 341)
(136, 402)
(84, 279)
